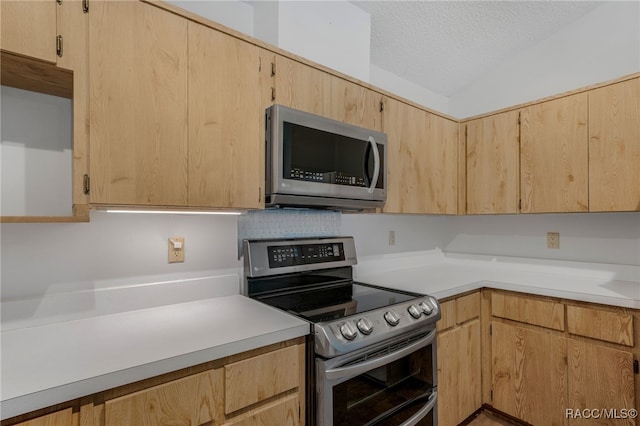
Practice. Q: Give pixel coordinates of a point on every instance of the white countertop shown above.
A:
(444, 275)
(70, 357)
(52, 363)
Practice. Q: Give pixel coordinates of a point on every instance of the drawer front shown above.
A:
(467, 307)
(530, 311)
(256, 379)
(448, 315)
(59, 418)
(283, 412)
(608, 326)
(192, 400)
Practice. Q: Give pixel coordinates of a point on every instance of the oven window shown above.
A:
(388, 395)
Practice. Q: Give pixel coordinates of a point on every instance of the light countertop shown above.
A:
(444, 275)
(52, 363)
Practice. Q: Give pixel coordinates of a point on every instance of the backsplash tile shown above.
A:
(287, 223)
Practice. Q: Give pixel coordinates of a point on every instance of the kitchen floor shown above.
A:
(488, 419)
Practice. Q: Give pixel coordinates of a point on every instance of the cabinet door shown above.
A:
(602, 378)
(282, 412)
(554, 156)
(529, 374)
(405, 155)
(354, 104)
(29, 28)
(459, 373)
(59, 418)
(226, 153)
(138, 105)
(301, 87)
(194, 400)
(614, 147)
(493, 164)
(440, 163)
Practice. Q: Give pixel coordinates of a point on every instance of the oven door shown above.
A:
(391, 384)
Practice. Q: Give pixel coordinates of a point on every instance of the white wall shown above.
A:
(588, 237)
(111, 250)
(232, 13)
(603, 45)
(35, 154)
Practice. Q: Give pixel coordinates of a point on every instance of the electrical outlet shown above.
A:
(176, 249)
(392, 238)
(553, 240)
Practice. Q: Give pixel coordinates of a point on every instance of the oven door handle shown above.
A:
(431, 402)
(363, 367)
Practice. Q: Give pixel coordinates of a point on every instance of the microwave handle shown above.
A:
(376, 164)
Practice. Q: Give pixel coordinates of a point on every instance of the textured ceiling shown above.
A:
(445, 45)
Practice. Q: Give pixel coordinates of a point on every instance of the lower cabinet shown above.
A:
(265, 386)
(529, 374)
(459, 367)
(578, 371)
(59, 418)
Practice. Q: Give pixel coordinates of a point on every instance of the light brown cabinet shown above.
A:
(59, 418)
(614, 147)
(29, 28)
(422, 160)
(554, 156)
(493, 164)
(226, 153)
(459, 356)
(561, 356)
(138, 105)
(529, 374)
(300, 86)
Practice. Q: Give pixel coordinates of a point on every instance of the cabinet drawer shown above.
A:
(467, 307)
(530, 311)
(448, 315)
(612, 327)
(191, 400)
(283, 412)
(59, 418)
(256, 379)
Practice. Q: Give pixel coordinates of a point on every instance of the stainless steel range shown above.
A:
(372, 350)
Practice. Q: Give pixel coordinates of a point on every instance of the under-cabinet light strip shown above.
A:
(173, 212)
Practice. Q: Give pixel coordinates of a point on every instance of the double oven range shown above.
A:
(371, 354)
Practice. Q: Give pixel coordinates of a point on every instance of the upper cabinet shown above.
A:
(354, 104)
(138, 105)
(226, 153)
(423, 155)
(493, 170)
(176, 120)
(29, 28)
(300, 86)
(554, 156)
(614, 147)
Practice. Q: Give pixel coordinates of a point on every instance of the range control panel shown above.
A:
(281, 256)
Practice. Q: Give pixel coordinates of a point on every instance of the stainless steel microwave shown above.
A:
(313, 161)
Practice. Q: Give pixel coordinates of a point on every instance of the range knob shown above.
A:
(426, 308)
(392, 318)
(414, 311)
(365, 326)
(348, 330)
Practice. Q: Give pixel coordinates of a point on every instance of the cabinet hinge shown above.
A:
(85, 6)
(59, 46)
(491, 396)
(273, 93)
(86, 184)
(273, 69)
(519, 115)
(636, 367)
(490, 329)
(259, 195)
(520, 204)
(381, 106)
